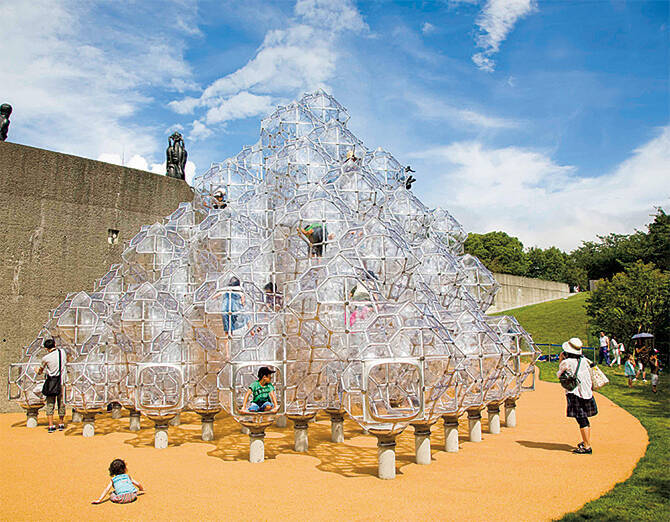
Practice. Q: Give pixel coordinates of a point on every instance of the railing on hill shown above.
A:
(549, 354)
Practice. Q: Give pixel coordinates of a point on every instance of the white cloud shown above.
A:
(110, 157)
(488, 122)
(159, 168)
(427, 28)
(199, 131)
(141, 163)
(526, 194)
(435, 109)
(495, 21)
(241, 105)
(75, 79)
(298, 58)
(138, 162)
(331, 14)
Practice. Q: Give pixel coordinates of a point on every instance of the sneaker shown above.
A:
(51, 429)
(644, 380)
(61, 427)
(582, 451)
(635, 379)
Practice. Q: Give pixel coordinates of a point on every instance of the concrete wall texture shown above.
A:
(55, 213)
(516, 291)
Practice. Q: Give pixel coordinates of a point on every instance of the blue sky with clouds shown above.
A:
(547, 119)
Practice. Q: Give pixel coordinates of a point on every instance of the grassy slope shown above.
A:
(646, 495)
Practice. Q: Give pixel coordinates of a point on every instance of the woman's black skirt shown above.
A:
(580, 408)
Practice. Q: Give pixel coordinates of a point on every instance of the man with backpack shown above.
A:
(54, 385)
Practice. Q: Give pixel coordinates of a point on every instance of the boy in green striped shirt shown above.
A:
(262, 393)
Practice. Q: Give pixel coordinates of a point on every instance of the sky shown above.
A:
(549, 120)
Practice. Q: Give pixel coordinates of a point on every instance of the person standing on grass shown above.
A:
(604, 349)
(629, 369)
(54, 386)
(581, 403)
(654, 367)
(615, 352)
(642, 356)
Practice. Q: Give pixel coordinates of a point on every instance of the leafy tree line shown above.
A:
(633, 273)
(505, 254)
(600, 259)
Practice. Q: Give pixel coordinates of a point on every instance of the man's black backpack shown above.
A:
(52, 387)
(569, 380)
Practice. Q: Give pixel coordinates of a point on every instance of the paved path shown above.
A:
(524, 473)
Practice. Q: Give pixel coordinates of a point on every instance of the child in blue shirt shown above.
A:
(629, 370)
(125, 489)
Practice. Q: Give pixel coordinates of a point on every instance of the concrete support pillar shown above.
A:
(257, 445)
(89, 424)
(117, 411)
(494, 418)
(475, 424)
(336, 425)
(510, 413)
(300, 427)
(176, 420)
(161, 434)
(134, 422)
(77, 417)
(422, 443)
(451, 433)
(31, 417)
(207, 426)
(386, 455)
(281, 421)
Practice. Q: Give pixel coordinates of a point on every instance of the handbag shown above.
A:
(598, 378)
(568, 380)
(52, 387)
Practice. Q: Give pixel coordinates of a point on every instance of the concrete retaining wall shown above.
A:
(55, 213)
(516, 291)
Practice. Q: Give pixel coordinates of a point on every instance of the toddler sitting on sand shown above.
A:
(125, 488)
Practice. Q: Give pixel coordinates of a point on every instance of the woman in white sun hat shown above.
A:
(581, 404)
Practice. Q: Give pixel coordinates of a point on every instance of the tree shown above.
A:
(610, 254)
(553, 264)
(499, 252)
(636, 300)
(658, 240)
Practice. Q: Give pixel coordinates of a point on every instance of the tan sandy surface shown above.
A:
(524, 473)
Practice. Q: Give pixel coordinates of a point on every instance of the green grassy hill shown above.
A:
(554, 321)
(646, 495)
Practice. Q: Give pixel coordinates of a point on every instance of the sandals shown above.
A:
(581, 450)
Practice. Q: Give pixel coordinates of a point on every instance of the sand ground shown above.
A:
(524, 473)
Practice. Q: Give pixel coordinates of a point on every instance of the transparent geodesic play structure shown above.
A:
(307, 254)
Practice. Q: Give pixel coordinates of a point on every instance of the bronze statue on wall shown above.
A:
(176, 157)
(5, 112)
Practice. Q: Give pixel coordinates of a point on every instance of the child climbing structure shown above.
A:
(305, 254)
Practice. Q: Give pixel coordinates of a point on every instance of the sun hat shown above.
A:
(573, 346)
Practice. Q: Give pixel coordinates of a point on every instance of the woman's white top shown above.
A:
(584, 388)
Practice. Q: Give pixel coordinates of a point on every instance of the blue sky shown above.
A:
(547, 119)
